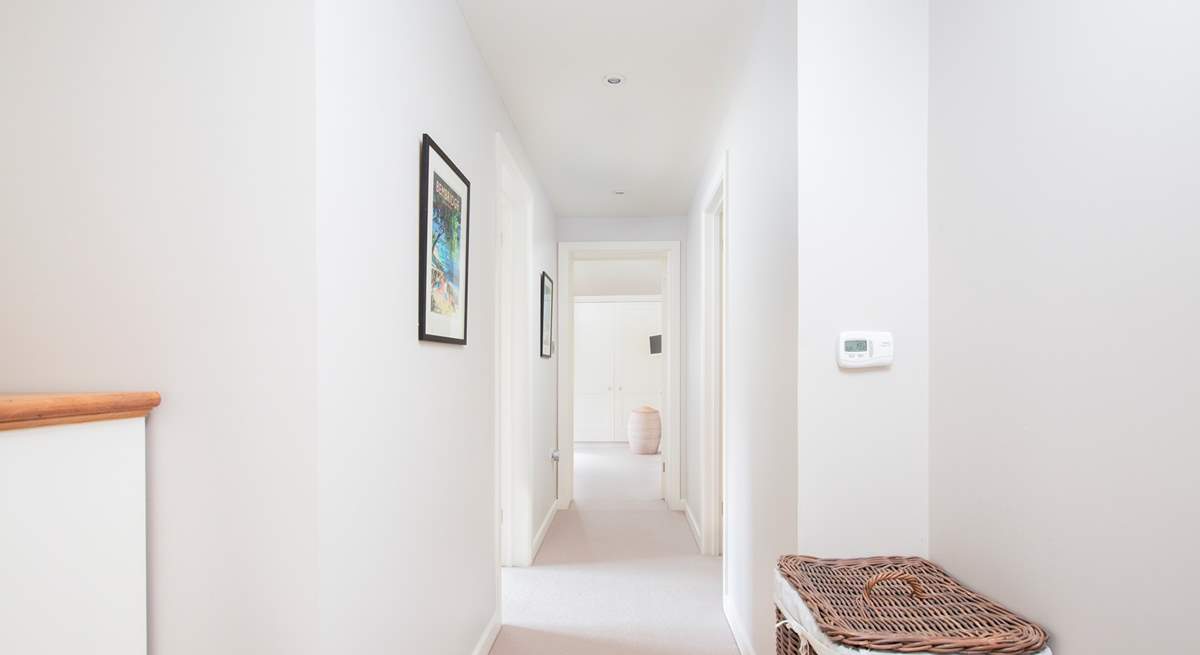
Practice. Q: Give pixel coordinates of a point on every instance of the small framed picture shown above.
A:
(445, 238)
(547, 315)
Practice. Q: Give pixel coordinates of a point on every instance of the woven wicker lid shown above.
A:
(905, 604)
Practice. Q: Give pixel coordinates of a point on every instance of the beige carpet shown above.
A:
(618, 574)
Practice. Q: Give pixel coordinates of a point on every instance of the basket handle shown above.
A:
(914, 584)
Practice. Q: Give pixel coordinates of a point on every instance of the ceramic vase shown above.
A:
(644, 430)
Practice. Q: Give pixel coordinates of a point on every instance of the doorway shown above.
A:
(715, 301)
(514, 516)
(619, 372)
(619, 351)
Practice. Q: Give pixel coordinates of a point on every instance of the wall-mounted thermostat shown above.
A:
(864, 349)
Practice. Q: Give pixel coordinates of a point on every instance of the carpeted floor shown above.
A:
(618, 573)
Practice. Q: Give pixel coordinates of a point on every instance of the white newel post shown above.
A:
(73, 524)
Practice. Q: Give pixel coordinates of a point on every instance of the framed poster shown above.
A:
(547, 315)
(445, 237)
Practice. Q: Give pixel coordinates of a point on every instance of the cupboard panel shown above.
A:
(614, 370)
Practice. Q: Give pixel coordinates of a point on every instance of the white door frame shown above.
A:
(714, 245)
(630, 298)
(514, 354)
(568, 252)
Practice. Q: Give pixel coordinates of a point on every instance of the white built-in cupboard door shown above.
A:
(614, 370)
(637, 374)
(594, 323)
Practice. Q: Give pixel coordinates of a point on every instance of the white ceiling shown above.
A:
(650, 136)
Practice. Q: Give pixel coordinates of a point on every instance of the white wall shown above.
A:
(863, 265)
(1064, 222)
(157, 232)
(618, 277)
(656, 228)
(407, 440)
(759, 133)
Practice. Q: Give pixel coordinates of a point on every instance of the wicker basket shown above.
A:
(787, 640)
(899, 604)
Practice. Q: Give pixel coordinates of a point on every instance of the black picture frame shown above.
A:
(429, 327)
(547, 335)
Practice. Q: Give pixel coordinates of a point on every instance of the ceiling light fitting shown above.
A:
(614, 80)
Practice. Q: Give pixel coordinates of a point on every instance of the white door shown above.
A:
(637, 374)
(593, 372)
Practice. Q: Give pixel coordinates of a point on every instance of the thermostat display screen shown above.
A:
(859, 346)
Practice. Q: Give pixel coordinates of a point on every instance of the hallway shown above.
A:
(618, 573)
(326, 322)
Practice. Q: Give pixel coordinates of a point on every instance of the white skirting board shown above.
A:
(740, 635)
(484, 646)
(541, 533)
(691, 519)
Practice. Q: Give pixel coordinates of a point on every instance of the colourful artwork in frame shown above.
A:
(445, 234)
(547, 340)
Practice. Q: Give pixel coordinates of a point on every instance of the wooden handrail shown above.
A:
(39, 409)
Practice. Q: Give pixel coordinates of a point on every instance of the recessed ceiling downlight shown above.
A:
(618, 193)
(614, 80)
